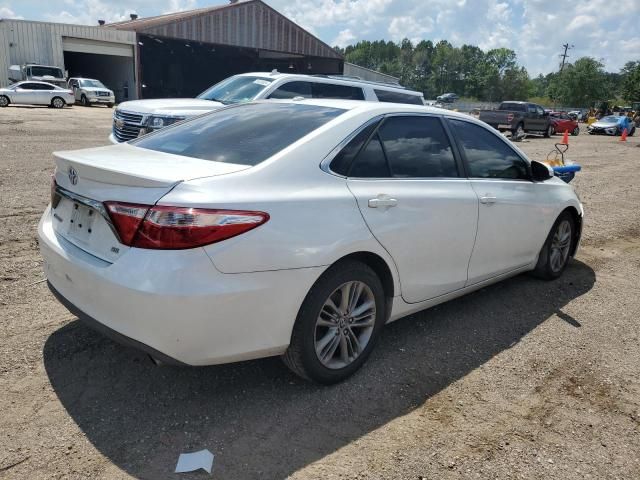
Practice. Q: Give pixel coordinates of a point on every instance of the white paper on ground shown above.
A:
(190, 462)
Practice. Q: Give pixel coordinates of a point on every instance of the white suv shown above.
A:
(138, 117)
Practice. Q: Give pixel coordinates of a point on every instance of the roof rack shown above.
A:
(359, 79)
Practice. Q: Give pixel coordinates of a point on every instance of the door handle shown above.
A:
(488, 199)
(382, 201)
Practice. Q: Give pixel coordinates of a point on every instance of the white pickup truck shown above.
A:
(138, 117)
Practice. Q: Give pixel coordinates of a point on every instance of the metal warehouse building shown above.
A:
(178, 54)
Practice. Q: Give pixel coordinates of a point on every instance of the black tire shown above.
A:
(301, 355)
(4, 101)
(553, 130)
(84, 101)
(110, 105)
(57, 102)
(575, 132)
(514, 132)
(549, 131)
(544, 268)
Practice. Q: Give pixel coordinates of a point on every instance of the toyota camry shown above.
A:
(296, 228)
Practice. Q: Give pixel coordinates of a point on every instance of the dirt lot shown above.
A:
(524, 379)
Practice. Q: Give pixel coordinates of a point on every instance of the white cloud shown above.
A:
(6, 12)
(180, 6)
(410, 27)
(344, 38)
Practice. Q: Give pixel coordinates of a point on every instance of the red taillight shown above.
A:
(172, 228)
(126, 217)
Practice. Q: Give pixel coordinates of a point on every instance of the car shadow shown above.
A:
(259, 420)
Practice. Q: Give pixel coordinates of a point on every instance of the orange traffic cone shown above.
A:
(623, 138)
(565, 138)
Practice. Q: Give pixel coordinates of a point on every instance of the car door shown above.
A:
(26, 93)
(44, 93)
(513, 212)
(409, 190)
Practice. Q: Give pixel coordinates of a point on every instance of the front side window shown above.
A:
(417, 147)
(292, 90)
(91, 83)
(389, 96)
(487, 155)
(236, 89)
(345, 92)
(244, 134)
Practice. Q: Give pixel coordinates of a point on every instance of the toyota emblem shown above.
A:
(73, 176)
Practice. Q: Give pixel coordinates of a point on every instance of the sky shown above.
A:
(607, 30)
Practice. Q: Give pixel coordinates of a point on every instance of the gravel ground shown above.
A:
(524, 379)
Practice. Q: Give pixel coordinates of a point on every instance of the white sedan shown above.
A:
(36, 93)
(296, 228)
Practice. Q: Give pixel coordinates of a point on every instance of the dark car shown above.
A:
(519, 118)
(447, 98)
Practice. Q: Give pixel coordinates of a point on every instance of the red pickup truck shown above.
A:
(519, 118)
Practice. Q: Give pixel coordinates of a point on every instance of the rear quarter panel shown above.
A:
(314, 218)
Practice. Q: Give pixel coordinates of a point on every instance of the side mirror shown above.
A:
(540, 172)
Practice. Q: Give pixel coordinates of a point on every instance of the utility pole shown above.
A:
(564, 55)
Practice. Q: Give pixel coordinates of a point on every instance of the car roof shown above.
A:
(34, 81)
(336, 79)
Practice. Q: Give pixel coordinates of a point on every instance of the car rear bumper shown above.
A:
(174, 304)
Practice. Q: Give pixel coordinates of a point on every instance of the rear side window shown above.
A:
(245, 134)
(342, 162)
(417, 147)
(371, 162)
(389, 96)
(514, 107)
(328, 90)
(487, 155)
(292, 90)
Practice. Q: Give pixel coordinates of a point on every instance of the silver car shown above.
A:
(36, 93)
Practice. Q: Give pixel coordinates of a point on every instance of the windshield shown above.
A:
(610, 119)
(91, 83)
(236, 89)
(244, 134)
(42, 71)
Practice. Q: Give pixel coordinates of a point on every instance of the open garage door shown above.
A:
(111, 63)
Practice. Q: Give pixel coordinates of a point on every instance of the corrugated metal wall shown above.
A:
(251, 24)
(39, 42)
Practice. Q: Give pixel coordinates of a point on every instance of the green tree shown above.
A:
(631, 81)
(580, 84)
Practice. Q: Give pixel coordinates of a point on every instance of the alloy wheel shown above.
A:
(345, 324)
(560, 246)
(58, 103)
(4, 101)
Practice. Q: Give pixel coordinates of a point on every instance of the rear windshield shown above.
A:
(398, 97)
(515, 107)
(244, 134)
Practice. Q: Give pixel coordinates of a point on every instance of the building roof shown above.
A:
(249, 23)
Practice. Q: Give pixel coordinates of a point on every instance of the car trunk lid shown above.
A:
(85, 179)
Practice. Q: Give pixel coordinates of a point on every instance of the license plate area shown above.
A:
(503, 125)
(80, 225)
